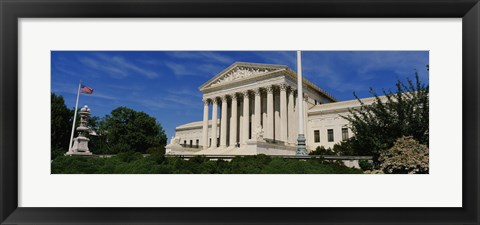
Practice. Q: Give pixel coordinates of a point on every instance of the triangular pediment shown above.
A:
(241, 71)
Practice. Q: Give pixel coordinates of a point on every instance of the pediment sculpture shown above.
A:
(240, 73)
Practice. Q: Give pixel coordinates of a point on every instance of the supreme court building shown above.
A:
(251, 108)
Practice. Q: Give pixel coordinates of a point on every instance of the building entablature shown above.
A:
(276, 84)
(342, 107)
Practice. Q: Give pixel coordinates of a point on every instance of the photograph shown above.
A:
(240, 112)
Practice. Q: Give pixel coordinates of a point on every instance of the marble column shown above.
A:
(291, 116)
(305, 110)
(233, 121)
(270, 114)
(206, 103)
(283, 113)
(246, 112)
(295, 124)
(223, 123)
(258, 113)
(214, 122)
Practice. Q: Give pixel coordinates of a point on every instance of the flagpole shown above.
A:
(74, 117)
(301, 150)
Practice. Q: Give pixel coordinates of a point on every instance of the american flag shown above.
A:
(85, 89)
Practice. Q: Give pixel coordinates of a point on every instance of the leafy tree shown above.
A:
(61, 125)
(378, 125)
(128, 130)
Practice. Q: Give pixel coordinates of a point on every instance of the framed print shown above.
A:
(239, 112)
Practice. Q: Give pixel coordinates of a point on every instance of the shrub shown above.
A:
(345, 147)
(135, 163)
(373, 172)
(320, 150)
(406, 156)
(129, 156)
(365, 165)
(160, 150)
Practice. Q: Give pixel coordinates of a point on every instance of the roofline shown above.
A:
(312, 85)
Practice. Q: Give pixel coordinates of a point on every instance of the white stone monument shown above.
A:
(80, 143)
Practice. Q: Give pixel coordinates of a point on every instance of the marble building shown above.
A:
(251, 108)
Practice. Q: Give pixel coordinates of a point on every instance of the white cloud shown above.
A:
(333, 79)
(185, 92)
(275, 57)
(362, 68)
(101, 67)
(115, 66)
(203, 56)
(178, 69)
(193, 69)
(72, 88)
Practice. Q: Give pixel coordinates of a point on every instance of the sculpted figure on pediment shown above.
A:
(239, 73)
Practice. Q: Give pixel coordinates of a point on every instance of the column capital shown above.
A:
(246, 94)
(224, 98)
(258, 91)
(269, 89)
(283, 87)
(292, 91)
(305, 96)
(206, 101)
(215, 100)
(234, 96)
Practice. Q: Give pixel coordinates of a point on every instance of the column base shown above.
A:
(301, 149)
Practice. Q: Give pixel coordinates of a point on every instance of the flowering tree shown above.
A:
(406, 156)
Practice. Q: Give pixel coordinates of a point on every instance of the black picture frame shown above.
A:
(11, 11)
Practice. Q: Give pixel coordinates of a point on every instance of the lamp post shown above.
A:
(301, 150)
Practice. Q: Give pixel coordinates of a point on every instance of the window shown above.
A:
(184, 143)
(210, 143)
(330, 135)
(197, 143)
(315, 102)
(191, 145)
(316, 134)
(344, 133)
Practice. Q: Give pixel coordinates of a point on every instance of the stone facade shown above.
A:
(253, 108)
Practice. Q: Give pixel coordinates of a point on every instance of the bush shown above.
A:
(75, 165)
(373, 172)
(129, 156)
(406, 156)
(135, 163)
(345, 148)
(320, 150)
(365, 165)
(160, 150)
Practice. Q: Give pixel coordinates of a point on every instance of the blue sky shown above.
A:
(165, 84)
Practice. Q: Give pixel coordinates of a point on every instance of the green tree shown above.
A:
(98, 140)
(61, 125)
(378, 125)
(128, 130)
